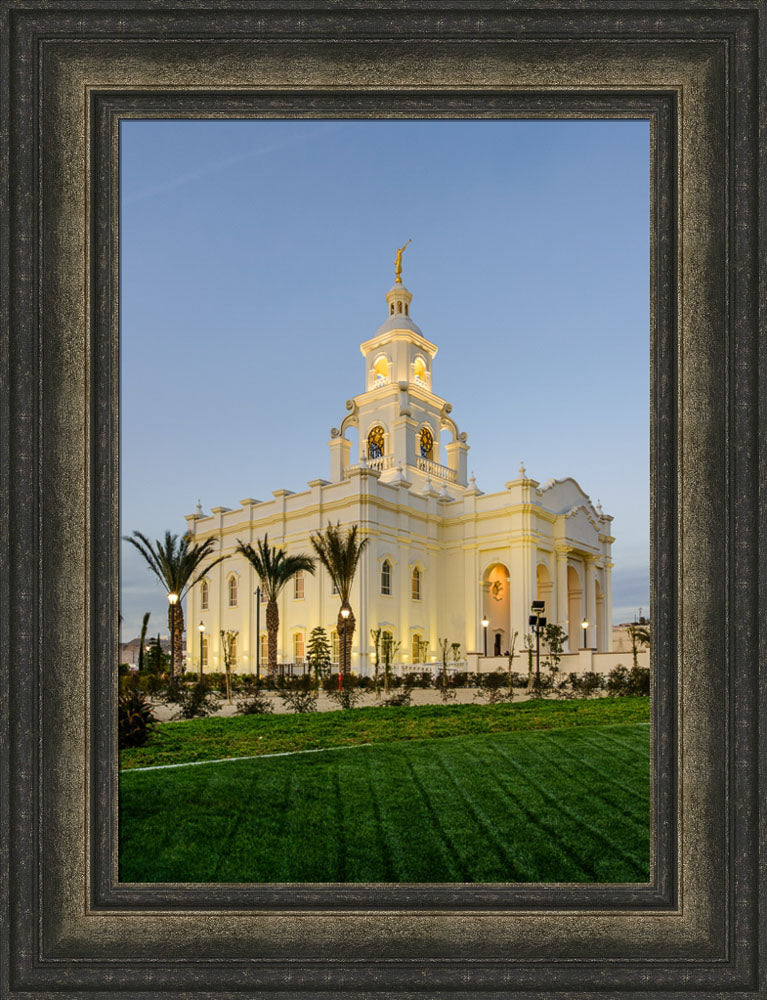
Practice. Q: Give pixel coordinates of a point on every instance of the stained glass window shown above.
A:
(204, 594)
(427, 443)
(232, 591)
(416, 584)
(376, 442)
(386, 577)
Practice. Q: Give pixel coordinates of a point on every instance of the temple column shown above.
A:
(560, 612)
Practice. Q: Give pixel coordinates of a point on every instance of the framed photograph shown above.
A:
(78, 85)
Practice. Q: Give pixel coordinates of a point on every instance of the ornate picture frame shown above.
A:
(70, 73)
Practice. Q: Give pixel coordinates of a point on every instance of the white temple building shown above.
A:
(442, 554)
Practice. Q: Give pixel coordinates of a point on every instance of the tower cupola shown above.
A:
(398, 300)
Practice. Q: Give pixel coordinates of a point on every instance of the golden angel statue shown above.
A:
(398, 265)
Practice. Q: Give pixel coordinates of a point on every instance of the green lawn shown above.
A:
(244, 736)
(560, 805)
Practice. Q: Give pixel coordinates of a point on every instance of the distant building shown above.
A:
(442, 554)
(621, 638)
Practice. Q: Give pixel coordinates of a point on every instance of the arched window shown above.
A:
(298, 647)
(232, 591)
(335, 647)
(298, 585)
(416, 648)
(419, 370)
(399, 307)
(263, 653)
(392, 308)
(233, 649)
(386, 577)
(381, 369)
(426, 443)
(204, 595)
(376, 442)
(205, 651)
(416, 590)
(406, 312)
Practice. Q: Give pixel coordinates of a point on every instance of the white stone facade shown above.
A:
(442, 554)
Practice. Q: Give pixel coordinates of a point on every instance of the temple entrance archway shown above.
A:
(496, 604)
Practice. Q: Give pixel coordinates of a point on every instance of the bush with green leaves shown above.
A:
(638, 681)
(251, 699)
(463, 678)
(418, 679)
(347, 697)
(399, 698)
(617, 681)
(590, 684)
(135, 718)
(299, 701)
(197, 701)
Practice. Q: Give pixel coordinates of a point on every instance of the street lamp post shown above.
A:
(258, 635)
(584, 626)
(485, 623)
(172, 600)
(201, 627)
(344, 616)
(537, 622)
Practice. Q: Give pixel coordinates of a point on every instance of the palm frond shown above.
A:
(273, 566)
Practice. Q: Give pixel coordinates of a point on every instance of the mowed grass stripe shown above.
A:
(586, 839)
(447, 818)
(539, 849)
(420, 847)
(583, 752)
(443, 810)
(628, 807)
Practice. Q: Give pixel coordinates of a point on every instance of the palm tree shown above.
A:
(142, 640)
(274, 569)
(339, 552)
(174, 562)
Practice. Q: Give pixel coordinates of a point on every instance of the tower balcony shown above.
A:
(435, 470)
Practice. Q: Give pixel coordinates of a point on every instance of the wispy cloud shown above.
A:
(214, 166)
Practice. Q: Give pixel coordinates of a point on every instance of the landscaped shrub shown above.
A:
(638, 681)
(300, 701)
(134, 718)
(519, 680)
(196, 701)
(174, 690)
(590, 684)
(151, 683)
(400, 698)
(617, 681)
(251, 699)
(417, 679)
(462, 678)
(347, 697)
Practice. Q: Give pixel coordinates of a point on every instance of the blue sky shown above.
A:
(254, 260)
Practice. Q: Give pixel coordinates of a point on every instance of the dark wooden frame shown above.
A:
(70, 72)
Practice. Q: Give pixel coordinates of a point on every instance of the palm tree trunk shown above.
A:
(142, 641)
(272, 628)
(172, 635)
(178, 638)
(346, 634)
